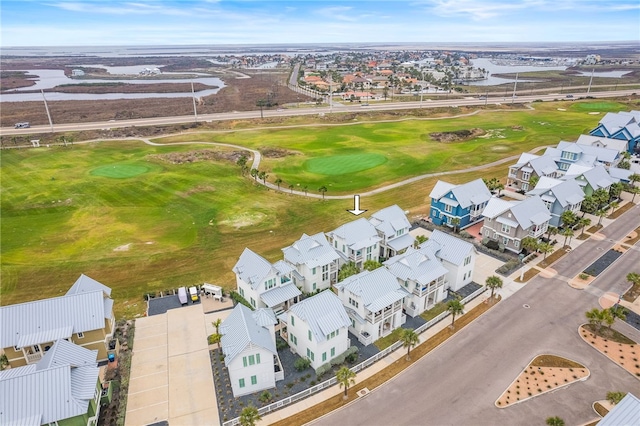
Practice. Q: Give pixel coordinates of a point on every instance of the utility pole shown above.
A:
(515, 83)
(590, 80)
(193, 97)
(47, 108)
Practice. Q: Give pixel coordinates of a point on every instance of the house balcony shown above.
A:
(33, 358)
(537, 231)
(277, 368)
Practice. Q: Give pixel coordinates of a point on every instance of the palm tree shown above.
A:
(635, 191)
(551, 230)
(595, 317)
(278, 182)
(530, 244)
(455, 221)
(583, 223)
(555, 421)
(249, 416)
(608, 318)
(454, 307)
(305, 189)
(254, 174)
(615, 397)
(263, 176)
(345, 378)
(493, 282)
(291, 188)
(322, 190)
(215, 338)
(409, 338)
(545, 248)
(216, 324)
(566, 233)
(633, 278)
(614, 205)
(601, 213)
(568, 218)
(419, 240)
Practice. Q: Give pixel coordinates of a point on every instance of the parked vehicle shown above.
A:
(24, 125)
(212, 291)
(193, 291)
(182, 295)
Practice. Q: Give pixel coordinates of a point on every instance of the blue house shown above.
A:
(464, 202)
(559, 196)
(622, 126)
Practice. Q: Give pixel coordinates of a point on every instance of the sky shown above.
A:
(180, 22)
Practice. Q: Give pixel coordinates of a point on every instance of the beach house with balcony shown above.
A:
(315, 263)
(462, 202)
(63, 387)
(530, 166)
(393, 228)
(84, 316)
(568, 153)
(317, 328)
(508, 222)
(624, 125)
(264, 284)
(373, 301)
(602, 142)
(249, 347)
(591, 179)
(356, 241)
(456, 255)
(559, 196)
(422, 275)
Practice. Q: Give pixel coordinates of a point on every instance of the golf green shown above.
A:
(120, 171)
(343, 164)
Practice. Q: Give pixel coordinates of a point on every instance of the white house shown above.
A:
(264, 284)
(373, 300)
(457, 256)
(393, 228)
(316, 263)
(317, 328)
(423, 277)
(249, 348)
(356, 241)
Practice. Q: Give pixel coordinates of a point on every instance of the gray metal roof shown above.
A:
(530, 211)
(313, 251)
(421, 266)
(84, 284)
(467, 194)
(240, 330)
(615, 121)
(624, 413)
(50, 319)
(402, 242)
(543, 165)
(453, 250)
(617, 144)
(566, 192)
(323, 313)
(253, 269)
(496, 206)
(357, 234)
(281, 294)
(619, 174)
(265, 317)
(602, 154)
(49, 391)
(377, 289)
(598, 177)
(390, 220)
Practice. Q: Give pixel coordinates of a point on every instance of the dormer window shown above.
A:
(80, 335)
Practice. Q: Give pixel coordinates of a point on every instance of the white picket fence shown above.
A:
(332, 381)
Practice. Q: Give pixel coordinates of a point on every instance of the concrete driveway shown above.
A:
(459, 382)
(171, 376)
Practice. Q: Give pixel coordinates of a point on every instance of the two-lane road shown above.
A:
(236, 115)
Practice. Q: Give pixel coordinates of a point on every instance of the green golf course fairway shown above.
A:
(183, 224)
(344, 164)
(119, 171)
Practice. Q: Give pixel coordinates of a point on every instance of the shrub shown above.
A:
(281, 344)
(239, 299)
(493, 245)
(583, 276)
(465, 234)
(302, 364)
(323, 369)
(265, 397)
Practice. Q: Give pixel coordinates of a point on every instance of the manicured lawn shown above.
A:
(153, 225)
(343, 164)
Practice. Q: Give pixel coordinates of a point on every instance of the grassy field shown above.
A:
(121, 215)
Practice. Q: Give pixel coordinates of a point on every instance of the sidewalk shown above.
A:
(508, 289)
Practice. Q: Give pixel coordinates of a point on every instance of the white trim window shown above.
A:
(448, 208)
(80, 335)
(506, 228)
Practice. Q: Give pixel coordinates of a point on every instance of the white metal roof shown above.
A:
(323, 313)
(313, 251)
(421, 266)
(452, 249)
(253, 269)
(496, 206)
(357, 234)
(402, 242)
(281, 294)
(624, 413)
(377, 289)
(239, 330)
(390, 220)
(467, 194)
(50, 319)
(84, 284)
(58, 387)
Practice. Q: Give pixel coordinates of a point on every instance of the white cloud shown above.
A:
(339, 13)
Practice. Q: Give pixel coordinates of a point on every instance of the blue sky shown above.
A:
(159, 22)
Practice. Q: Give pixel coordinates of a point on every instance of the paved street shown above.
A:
(459, 382)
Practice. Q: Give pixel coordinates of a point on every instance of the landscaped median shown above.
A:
(387, 373)
(614, 345)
